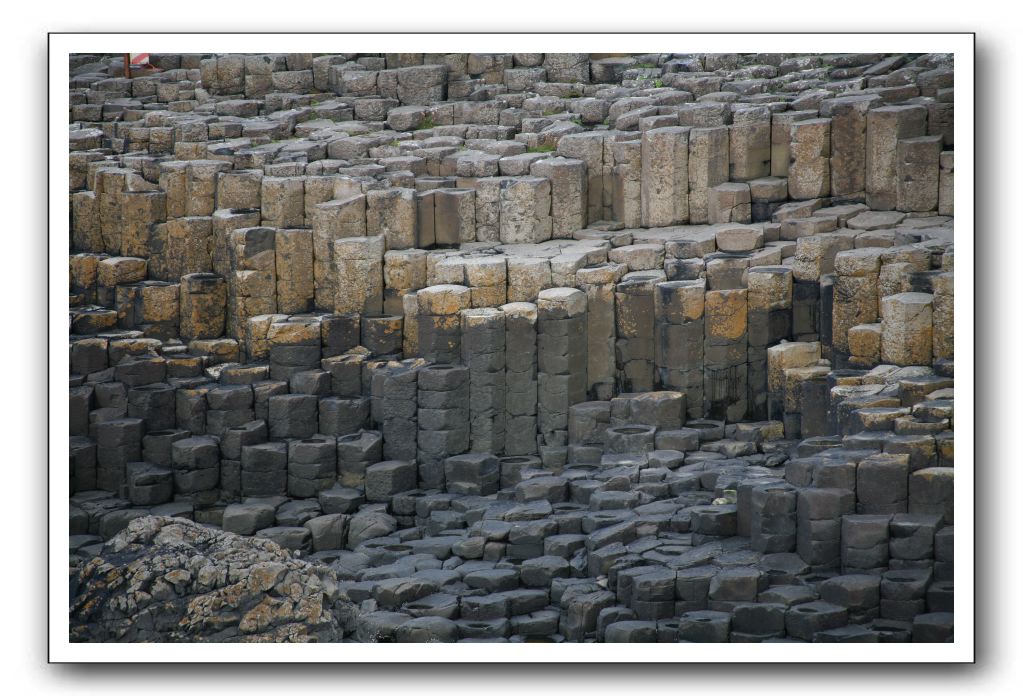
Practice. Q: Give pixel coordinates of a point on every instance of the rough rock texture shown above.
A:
(166, 579)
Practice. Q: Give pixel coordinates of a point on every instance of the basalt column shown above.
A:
(724, 355)
(520, 378)
(561, 361)
(769, 315)
(679, 339)
(483, 351)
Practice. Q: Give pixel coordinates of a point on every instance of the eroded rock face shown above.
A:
(170, 579)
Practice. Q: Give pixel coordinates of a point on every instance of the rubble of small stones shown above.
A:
(512, 347)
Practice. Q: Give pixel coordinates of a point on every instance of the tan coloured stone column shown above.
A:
(809, 162)
(665, 171)
(907, 329)
(887, 125)
(359, 268)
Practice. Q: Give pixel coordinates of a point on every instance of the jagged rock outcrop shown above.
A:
(170, 579)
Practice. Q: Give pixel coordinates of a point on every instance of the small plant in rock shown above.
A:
(541, 148)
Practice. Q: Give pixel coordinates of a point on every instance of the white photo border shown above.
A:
(61, 650)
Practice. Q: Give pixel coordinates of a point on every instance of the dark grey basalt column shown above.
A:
(520, 378)
(442, 419)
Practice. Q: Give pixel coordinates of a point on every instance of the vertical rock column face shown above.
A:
(855, 297)
(283, 201)
(118, 442)
(946, 184)
(422, 84)
(773, 518)
(334, 220)
(442, 419)
(110, 186)
(240, 189)
(201, 304)
(865, 540)
(678, 343)
(339, 333)
(917, 174)
(189, 246)
(561, 361)
(294, 346)
(724, 355)
(312, 466)
(398, 410)
(487, 193)
(729, 203)
(391, 212)
(665, 172)
(359, 264)
(410, 325)
(819, 532)
(907, 328)
(426, 213)
(483, 351)
(525, 210)
(749, 144)
(708, 167)
(439, 322)
(115, 271)
(595, 149)
(83, 270)
(140, 211)
(627, 182)
(520, 378)
(381, 335)
(296, 287)
(848, 144)
(85, 225)
(944, 316)
(887, 125)
(150, 306)
(527, 276)
(404, 273)
(769, 317)
(567, 67)
(809, 159)
(201, 186)
(634, 328)
(487, 277)
(568, 194)
(229, 406)
(598, 283)
(252, 284)
(224, 222)
(454, 218)
(812, 270)
(780, 358)
(781, 138)
(196, 465)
